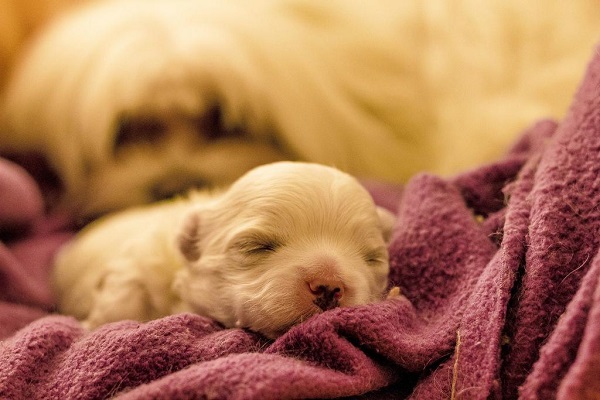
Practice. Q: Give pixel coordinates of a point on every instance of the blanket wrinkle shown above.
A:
(19, 195)
(499, 177)
(581, 380)
(563, 345)
(16, 284)
(563, 231)
(436, 268)
(472, 370)
(14, 316)
(275, 377)
(499, 271)
(340, 333)
(28, 241)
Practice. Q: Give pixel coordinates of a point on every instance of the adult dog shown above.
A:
(132, 101)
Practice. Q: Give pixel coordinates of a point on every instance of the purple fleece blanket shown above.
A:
(499, 270)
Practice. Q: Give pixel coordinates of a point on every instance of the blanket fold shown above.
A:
(499, 271)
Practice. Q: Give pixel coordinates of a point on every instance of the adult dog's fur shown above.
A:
(19, 21)
(132, 100)
(286, 241)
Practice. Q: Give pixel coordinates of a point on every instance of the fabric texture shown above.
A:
(498, 268)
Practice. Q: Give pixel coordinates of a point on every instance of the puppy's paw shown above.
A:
(394, 293)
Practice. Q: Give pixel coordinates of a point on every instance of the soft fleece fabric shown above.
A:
(499, 271)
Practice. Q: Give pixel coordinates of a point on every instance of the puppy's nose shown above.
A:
(327, 293)
(174, 185)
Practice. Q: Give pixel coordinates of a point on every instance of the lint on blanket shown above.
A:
(498, 267)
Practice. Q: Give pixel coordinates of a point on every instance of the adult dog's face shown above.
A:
(138, 108)
(155, 157)
(286, 242)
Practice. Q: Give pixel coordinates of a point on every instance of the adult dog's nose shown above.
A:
(327, 292)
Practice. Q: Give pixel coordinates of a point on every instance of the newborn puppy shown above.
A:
(286, 241)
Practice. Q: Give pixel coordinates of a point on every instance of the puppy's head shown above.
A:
(287, 241)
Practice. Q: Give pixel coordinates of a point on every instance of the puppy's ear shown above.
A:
(388, 220)
(189, 237)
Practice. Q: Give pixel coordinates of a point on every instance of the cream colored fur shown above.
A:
(263, 255)
(380, 89)
(20, 20)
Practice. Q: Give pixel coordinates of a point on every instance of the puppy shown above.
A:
(284, 242)
(132, 101)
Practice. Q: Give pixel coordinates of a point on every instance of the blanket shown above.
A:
(499, 275)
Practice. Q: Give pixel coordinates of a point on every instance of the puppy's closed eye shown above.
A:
(256, 245)
(375, 256)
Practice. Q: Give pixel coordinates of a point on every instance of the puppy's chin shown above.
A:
(147, 174)
(281, 298)
(271, 305)
(263, 299)
(284, 311)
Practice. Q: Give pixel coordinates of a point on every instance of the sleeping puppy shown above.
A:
(286, 241)
(134, 100)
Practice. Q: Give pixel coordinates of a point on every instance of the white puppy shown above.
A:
(284, 242)
(133, 100)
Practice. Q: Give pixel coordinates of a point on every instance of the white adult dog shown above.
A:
(133, 100)
(285, 242)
